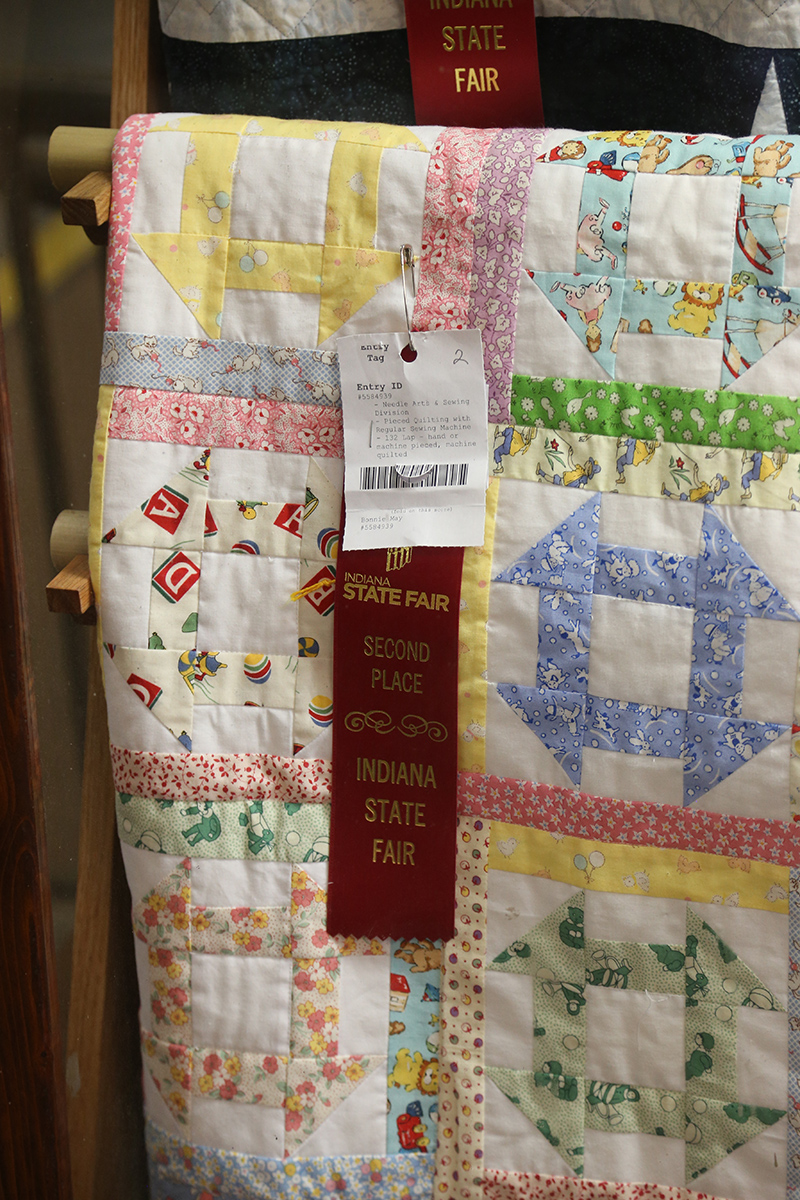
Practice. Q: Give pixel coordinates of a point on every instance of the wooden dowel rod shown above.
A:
(75, 152)
(68, 537)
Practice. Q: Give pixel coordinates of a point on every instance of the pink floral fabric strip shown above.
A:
(124, 169)
(510, 1185)
(145, 415)
(445, 267)
(579, 814)
(194, 777)
(501, 204)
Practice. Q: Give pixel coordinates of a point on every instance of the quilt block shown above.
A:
(617, 1013)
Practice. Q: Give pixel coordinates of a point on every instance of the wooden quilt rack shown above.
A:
(103, 1107)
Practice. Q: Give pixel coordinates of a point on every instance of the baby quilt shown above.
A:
(619, 1009)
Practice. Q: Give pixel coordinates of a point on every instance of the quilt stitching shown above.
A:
(668, 414)
(202, 261)
(564, 964)
(722, 586)
(748, 308)
(313, 1077)
(172, 675)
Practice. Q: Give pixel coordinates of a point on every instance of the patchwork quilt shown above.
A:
(619, 1009)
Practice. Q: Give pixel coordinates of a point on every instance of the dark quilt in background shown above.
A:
(596, 74)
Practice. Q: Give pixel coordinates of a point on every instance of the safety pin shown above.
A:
(407, 260)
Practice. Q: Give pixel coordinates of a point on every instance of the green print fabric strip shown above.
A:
(263, 829)
(668, 414)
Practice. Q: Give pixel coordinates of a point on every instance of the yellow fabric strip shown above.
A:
(96, 488)
(624, 868)
(351, 277)
(352, 217)
(195, 268)
(274, 266)
(208, 183)
(472, 639)
(677, 471)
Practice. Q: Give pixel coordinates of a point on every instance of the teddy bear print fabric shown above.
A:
(617, 1012)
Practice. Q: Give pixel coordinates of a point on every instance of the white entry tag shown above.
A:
(415, 438)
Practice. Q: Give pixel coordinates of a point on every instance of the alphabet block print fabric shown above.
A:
(618, 1012)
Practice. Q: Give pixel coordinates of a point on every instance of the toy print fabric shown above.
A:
(617, 1013)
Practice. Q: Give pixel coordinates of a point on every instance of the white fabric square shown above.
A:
(791, 246)
(551, 224)
(636, 1158)
(134, 471)
(770, 670)
(159, 187)
(145, 870)
(140, 954)
(762, 1044)
(640, 651)
(672, 361)
(126, 573)
(149, 302)
(364, 1004)
(259, 210)
(246, 604)
(649, 523)
(770, 374)
(231, 883)
(633, 777)
(401, 199)
(545, 344)
(509, 1020)
(512, 1142)
(241, 1128)
(526, 512)
(760, 788)
(637, 1037)
(271, 318)
(513, 629)
(223, 729)
(513, 749)
(241, 1003)
(517, 903)
(254, 475)
(758, 1168)
(319, 747)
(611, 916)
(357, 1126)
(699, 213)
(131, 725)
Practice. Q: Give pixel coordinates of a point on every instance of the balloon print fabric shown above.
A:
(618, 1012)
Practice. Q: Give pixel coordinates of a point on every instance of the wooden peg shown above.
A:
(89, 201)
(71, 591)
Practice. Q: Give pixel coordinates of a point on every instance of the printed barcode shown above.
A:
(418, 475)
